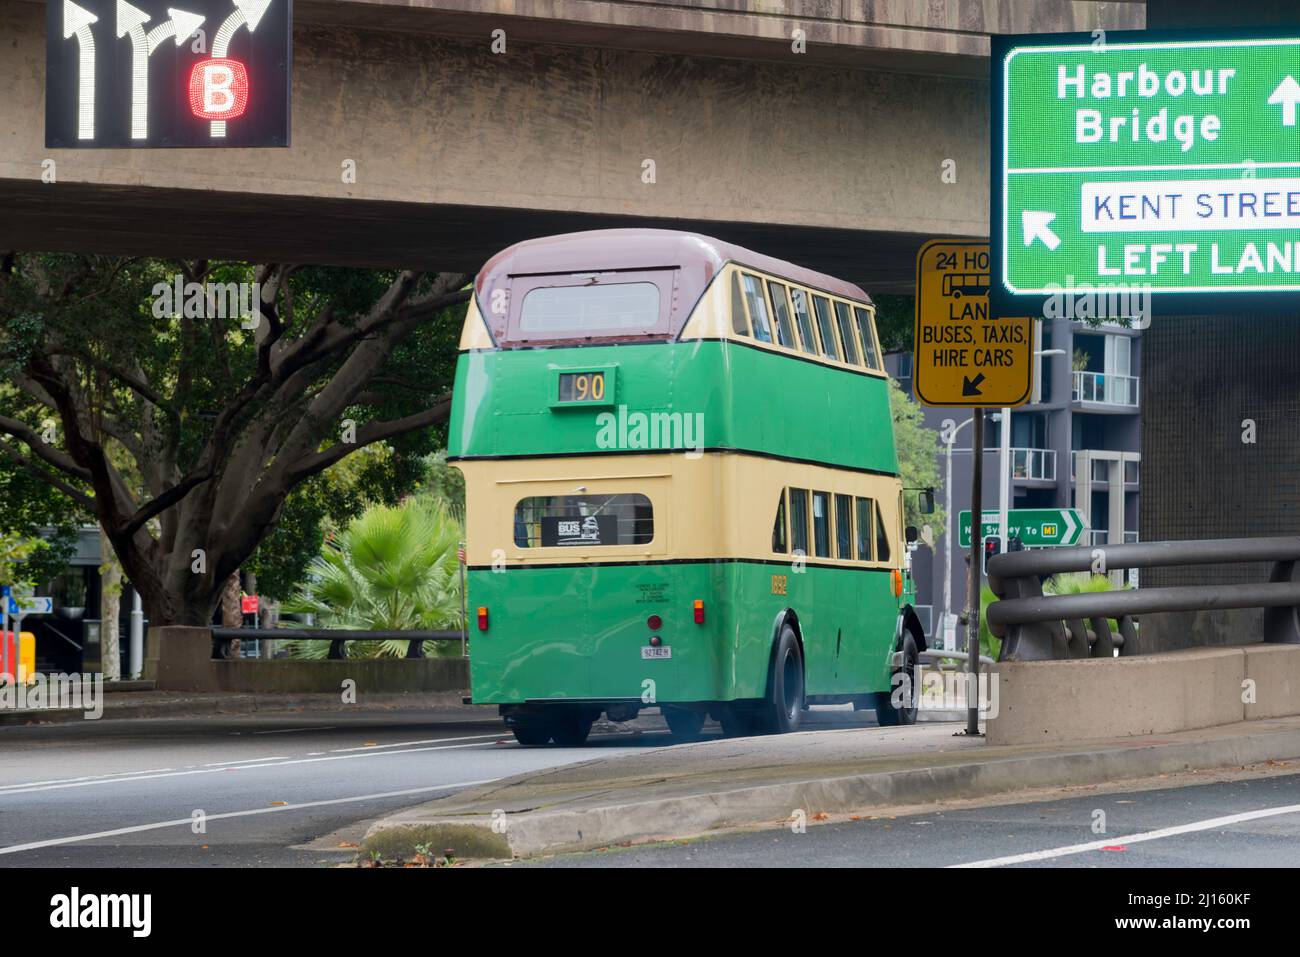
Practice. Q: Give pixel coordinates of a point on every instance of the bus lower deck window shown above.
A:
(822, 524)
(799, 520)
(865, 524)
(843, 526)
(560, 521)
(778, 527)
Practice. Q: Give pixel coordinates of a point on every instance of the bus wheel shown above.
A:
(887, 716)
(685, 724)
(571, 730)
(532, 735)
(783, 710)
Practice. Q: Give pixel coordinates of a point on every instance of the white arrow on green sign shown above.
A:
(1033, 526)
(1128, 161)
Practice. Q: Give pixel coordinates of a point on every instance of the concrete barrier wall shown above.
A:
(1045, 702)
(180, 659)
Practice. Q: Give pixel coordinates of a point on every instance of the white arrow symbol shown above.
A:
(180, 28)
(77, 21)
(131, 21)
(1287, 94)
(1036, 226)
(1070, 526)
(247, 13)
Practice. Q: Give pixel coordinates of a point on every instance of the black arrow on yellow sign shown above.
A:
(971, 386)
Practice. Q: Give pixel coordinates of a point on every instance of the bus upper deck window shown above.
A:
(868, 338)
(822, 307)
(778, 527)
(821, 524)
(739, 324)
(845, 321)
(619, 308)
(799, 520)
(757, 308)
(781, 311)
(807, 338)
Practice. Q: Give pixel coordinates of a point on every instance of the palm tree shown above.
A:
(393, 568)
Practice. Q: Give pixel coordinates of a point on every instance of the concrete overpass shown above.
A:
(831, 157)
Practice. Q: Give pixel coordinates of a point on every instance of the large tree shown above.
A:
(219, 418)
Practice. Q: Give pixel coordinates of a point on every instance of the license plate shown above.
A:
(650, 651)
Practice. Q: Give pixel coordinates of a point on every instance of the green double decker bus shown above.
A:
(682, 489)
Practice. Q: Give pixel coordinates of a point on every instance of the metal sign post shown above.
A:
(973, 586)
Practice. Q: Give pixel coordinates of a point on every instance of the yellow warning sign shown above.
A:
(963, 356)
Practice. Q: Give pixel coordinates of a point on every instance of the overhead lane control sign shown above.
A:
(146, 74)
(963, 356)
(1170, 164)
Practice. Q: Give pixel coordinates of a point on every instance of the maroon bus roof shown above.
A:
(699, 257)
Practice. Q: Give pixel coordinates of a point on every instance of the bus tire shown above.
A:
(684, 724)
(887, 716)
(571, 730)
(782, 712)
(532, 735)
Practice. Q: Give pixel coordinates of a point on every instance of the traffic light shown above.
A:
(991, 547)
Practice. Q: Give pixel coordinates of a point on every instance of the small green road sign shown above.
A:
(1033, 526)
(1125, 160)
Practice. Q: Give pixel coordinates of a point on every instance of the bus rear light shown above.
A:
(699, 612)
(655, 641)
(482, 617)
(654, 622)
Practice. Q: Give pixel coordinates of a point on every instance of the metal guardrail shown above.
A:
(1037, 627)
(338, 639)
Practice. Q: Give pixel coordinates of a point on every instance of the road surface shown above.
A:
(1249, 819)
(282, 790)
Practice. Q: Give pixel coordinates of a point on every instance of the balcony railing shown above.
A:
(1035, 464)
(1106, 387)
(1101, 473)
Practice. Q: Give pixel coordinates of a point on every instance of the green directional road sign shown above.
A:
(1123, 160)
(1033, 526)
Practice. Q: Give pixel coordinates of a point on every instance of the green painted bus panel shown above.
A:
(706, 394)
(566, 632)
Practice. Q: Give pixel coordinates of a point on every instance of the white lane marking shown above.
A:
(327, 727)
(138, 828)
(20, 789)
(1207, 825)
(403, 744)
(222, 764)
(83, 777)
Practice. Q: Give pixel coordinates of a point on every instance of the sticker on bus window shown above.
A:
(650, 651)
(579, 530)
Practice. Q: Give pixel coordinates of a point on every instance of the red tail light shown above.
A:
(654, 622)
(699, 612)
(482, 617)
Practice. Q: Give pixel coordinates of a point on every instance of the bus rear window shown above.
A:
(560, 521)
(609, 309)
